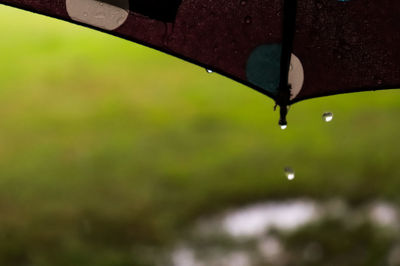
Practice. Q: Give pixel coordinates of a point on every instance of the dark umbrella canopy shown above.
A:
(348, 46)
(332, 46)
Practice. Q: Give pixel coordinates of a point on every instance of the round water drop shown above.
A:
(283, 127)
(209, 71)
(289, 172)
(327, 116)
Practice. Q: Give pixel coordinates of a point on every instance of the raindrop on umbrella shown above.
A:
(327, 116)
(209, 71)
(248, 20)
(289, 172)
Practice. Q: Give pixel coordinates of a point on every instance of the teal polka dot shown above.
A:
(263, 67)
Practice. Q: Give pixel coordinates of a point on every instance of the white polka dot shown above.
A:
(101, 14)
(296, 76)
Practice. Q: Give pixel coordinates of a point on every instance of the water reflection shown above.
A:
(384, 214)
(256, 219)
(297, 231)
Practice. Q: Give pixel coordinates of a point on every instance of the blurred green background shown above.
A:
(109, 151)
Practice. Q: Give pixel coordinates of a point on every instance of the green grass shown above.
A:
(107, 146)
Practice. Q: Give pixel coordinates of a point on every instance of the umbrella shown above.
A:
(286, 49)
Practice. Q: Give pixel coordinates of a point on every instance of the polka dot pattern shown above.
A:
(103, 15)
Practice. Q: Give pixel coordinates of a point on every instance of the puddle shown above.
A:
(254, 220)
(257, 234)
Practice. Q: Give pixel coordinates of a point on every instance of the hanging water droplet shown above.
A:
(283, 127)
(209, 71)
(327, 116)
(289, 172)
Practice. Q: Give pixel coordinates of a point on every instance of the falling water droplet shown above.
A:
(209, 71)
(289, 172)
(327, 116)
(283, 127)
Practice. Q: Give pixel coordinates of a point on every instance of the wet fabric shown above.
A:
(339, 46)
